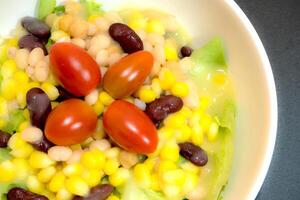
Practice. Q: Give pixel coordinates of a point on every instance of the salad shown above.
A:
(102, 104)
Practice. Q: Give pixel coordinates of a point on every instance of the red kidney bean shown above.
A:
(186, 51)
(36, 27)
(30, 42)
(100, 192)
(126, 37)
(21, 194)
(193, 153)
(162, 107)
(39, 106)
(4, 138)
(44, 145)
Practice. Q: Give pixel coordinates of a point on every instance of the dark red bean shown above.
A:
(4, 138)
(36, 27)
(162, 107)
(30, 42)
(126, 37)
(21, 194)
(186, 51)
(39, 106)
(44, 145)
(100, 192)
(193, 153)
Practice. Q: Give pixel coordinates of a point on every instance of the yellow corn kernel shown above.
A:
(2, 123)
(180, 89)
(172, 191)
(12, 42)
(92, 177)
(186, 112)
(16, 141)
(155, 86)
(111, 166)
(23, 126)
(63, 194)
(8, 68)
(155, 184)
(166, 165)
(170, 51)
(146, 95)
(183, 134)
(205, 122)
(197, 135)
(57, 182)
(166, 133)
(54, 104)
(151, 163)
(74, 169)
(138, 24)
(191, 182)
(22, 151)
(113, 197)
(105, 98)
(113, 153)
(26, 114)
(50, 90)
(32, 84)
(21, 77)
(156, 26)
(195, 119)
(93, 18)
(175, 121)
(9, 89)
(23, 168)
(176, 176)
(21, 96)
(212, 132)
(119, 177)
(52, 80)
(8, 171)
(34, 185)
(3, 53)
(93, 159)
(170, 151)
(46, 174)
(98, 107)
(166, 79)
(58, 35)
(190, 167)
(142, 175)
(3, 107)
(219, 79)
(205, 101)
(77, 186)
(40, 159)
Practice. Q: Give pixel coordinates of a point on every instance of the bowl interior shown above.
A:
(249, 66)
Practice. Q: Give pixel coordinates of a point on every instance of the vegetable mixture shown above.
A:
(98, 104)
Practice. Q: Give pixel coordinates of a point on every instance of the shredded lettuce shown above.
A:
(44, 8)
(15, 119)
(91, 8)
(59, 9)
(4, 154)
(227, 117)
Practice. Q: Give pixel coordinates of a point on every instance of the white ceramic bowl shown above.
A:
(249, 66)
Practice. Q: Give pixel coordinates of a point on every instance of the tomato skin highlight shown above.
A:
(74, 68)
(128, 74)
(130, 128)
(71, 122)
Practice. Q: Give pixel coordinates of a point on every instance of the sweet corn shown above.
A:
(3, 108)
(195, 119)
(23, 126)
(21, 97)
(175, 121)
(156, 26)
(155, 183)
(219, 79)
(74, 169)
(93, 159)
(142, 175)
(58, 35)
(98, 107)
(40, 159)
(22, 151)
(191, 182)
(15, 141)
(155, 86)
(93, 18)
(26, 114)
(46, 174)
(186, 112)
(23, 168)
(8, 68)
(63, 194)
(183, 134)
(113, 153)
(171, 191)
(197, 135)
(166, 165)
(111, 166)
(32, 84)
(146, 95)
(190, 167)
(34, 185)
(3, 53)
(21, 77)
(166, 79)
(105, 98)
(170, 51)
(166, 133)
(8, 171)
(92, 177)
(77, 186)
(212, 132)
(180, 89)
(113, 197)
(119, 177)
(170, 151)
(205, 122)
(9, 89)
(50, 90)
(57, 182)
(12, 42)
(138, 24)
(176, 176)
(151, 163)
(205, 101)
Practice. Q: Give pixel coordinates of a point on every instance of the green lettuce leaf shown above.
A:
(59, 9)
(15, 119)
(4, 154)
(91, 8)
(227, 118)
(44, 8)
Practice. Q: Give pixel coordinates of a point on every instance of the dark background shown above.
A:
(278, 25)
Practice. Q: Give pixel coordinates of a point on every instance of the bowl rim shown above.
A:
(272, 98)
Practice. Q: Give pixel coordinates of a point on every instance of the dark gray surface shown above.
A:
(278, 24)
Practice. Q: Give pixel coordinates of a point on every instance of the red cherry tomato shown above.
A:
(126, 76)
(129, 127)
(76, 70)
(71, 122)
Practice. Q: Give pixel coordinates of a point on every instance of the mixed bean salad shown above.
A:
(98, 104)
